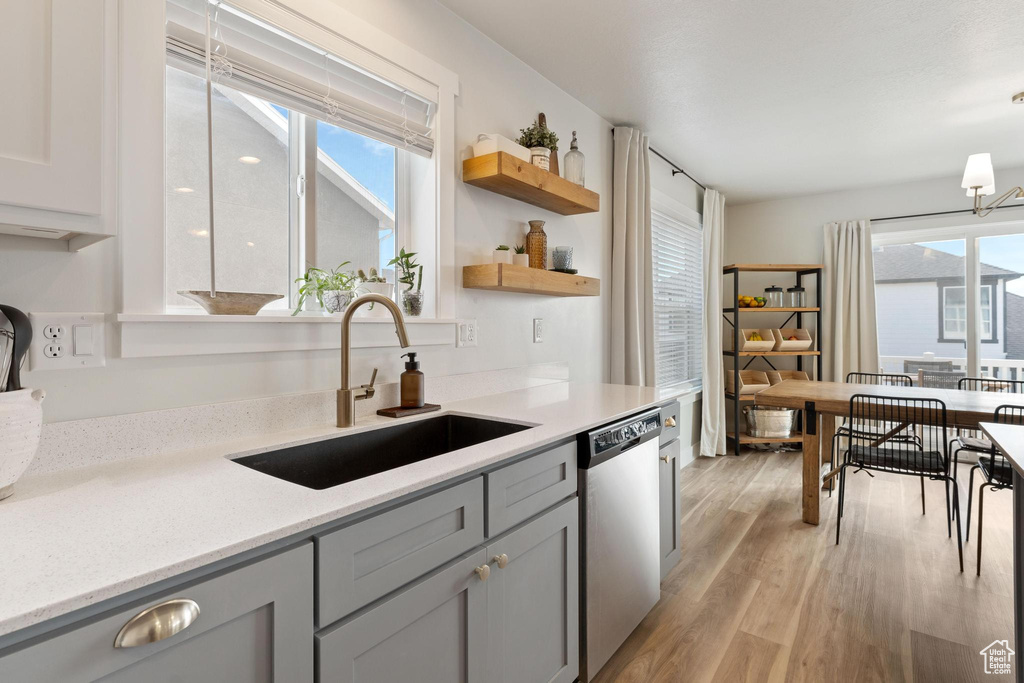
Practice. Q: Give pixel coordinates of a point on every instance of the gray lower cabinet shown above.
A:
(669, 506)
(255, 624)
(434, 630)
(533, 601)
(528, 487)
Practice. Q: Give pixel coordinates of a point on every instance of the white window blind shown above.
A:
(678, 300)
(262, 60)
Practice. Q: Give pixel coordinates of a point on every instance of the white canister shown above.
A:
(541, 157)
(21, 425)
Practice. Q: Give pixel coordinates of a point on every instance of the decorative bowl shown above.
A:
(230, 303)
(21, 424)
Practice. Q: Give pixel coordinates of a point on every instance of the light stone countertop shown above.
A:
(73, 538)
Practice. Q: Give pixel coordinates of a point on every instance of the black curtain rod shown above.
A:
(675, 168)
(939, 213)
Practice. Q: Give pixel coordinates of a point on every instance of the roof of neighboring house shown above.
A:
(1014, 343)
(913, 262)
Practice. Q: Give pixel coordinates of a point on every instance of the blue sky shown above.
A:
(1005, 251)
(372, 163)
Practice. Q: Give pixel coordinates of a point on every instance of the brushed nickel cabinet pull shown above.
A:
(500, 560)
(158, 622)
(483, 571)
(670, 422)
(664, 458)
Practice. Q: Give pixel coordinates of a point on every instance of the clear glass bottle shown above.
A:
(574, 163)
(537, 245)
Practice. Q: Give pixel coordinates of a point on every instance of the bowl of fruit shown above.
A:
(752, 301)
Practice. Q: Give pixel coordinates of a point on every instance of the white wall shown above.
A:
(499, 93)
(789, 230)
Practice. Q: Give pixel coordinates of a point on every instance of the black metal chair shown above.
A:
(875, 379)
(996, 472)
(971, 440)
(913, 366)
(940, 379)
(928, 459)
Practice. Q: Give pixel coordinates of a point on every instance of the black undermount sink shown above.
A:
(323, 464)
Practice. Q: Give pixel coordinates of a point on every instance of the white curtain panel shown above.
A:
(712, 424)
(850, 332)
(632, 321)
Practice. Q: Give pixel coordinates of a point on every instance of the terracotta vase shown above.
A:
(537, 245)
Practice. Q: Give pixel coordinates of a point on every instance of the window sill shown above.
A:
(197, 334)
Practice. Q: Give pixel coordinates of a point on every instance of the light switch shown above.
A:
(83, 339)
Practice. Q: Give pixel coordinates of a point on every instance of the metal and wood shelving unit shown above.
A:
(738, 437)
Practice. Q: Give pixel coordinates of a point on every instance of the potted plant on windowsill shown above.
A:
(541, 141)
(408, 269)
(373, 283)
(330, 292)
(520, 257)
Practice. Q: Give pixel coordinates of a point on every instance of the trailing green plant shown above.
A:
(407, 268)
(502, 247)
(372, 278)
(520, 249)
(538, 135)
(316, 281)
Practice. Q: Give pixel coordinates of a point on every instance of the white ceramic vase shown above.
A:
(21, 425)
(521, 260)
(541, 157)
(374, 310)
(501, 256)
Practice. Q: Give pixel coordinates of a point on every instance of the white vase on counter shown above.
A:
(21, 425)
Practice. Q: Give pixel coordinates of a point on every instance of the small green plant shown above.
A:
(538, 135)
(316, 281)
(520, 249)
(407, 267)
(372, 278)
(502, 247)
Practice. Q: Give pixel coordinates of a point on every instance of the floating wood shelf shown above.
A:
(772, 267)
(744, 309)
(511, 176)
(502, 277)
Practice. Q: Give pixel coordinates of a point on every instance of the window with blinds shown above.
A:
(678, 300)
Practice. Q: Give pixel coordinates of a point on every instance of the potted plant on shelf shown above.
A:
(520, 257)
(326, 291)
(373, 283)
(541, 141)
(411, 274)
(501, 254)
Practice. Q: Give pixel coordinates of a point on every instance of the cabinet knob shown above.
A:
(157, 623)
(483, 572)
(664, 458)
(500, 560)
(670, 422)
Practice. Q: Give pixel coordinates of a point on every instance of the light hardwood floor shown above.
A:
(761, 596)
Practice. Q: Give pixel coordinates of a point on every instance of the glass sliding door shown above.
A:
(922, 310)
(1001, 306)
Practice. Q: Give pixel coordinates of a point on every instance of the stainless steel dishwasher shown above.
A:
(620, 553)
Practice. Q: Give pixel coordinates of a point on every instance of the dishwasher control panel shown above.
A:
(606, 442)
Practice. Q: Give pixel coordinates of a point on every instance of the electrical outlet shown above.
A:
(61, 341)
(466, 334)
(538, 330)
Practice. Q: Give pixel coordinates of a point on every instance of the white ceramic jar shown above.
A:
(21, 425)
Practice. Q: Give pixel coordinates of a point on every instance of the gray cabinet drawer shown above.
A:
(255, 624)
(519, 491)
(367, 560)
(432, 632)
(669, 415)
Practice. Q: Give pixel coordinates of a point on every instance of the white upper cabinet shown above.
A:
(58, 122)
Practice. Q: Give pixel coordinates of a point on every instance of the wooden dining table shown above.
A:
(823, 402)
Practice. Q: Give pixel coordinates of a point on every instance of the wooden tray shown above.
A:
(399, 411)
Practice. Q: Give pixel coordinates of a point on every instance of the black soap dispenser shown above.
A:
(412, 383)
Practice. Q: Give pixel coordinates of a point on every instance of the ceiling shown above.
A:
(790, 97)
